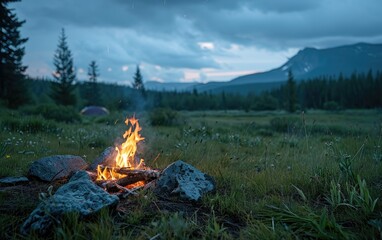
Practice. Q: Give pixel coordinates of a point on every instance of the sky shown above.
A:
(189, 40)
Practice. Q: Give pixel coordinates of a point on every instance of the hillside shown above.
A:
(312, 62)
(307, 63)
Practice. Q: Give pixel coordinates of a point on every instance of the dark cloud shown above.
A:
(285, 29)
(282, 6)
(245, 22)
(167, 32)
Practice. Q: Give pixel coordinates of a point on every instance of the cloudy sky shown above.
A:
(189, 40)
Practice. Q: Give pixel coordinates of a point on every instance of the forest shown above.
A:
(327, 93)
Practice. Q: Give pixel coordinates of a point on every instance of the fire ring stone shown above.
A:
(185, 181)
(79, 195)
(55, 167)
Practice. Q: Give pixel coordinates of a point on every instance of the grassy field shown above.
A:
(279, 176)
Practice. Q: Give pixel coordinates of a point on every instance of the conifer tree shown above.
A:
(12, 79)
(92, 93)
(291, 93)
(64, 75)
(138, 81)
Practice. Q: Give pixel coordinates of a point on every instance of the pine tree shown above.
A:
(138, 81)
(92, 93)
(291, 93)
(63, 87)
(12, 85)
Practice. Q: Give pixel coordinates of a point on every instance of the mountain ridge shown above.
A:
(308, 63)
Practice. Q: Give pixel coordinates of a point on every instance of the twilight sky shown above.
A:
(189, 40)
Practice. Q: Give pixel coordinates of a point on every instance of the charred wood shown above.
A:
(132, 176)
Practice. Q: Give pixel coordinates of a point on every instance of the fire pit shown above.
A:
(117, 174)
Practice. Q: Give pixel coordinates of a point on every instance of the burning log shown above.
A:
(131, 176)
(148, 174)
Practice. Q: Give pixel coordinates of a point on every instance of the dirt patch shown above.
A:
(17, 202)
(22, 199)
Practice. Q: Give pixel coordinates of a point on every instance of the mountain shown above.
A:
(312, 62)
(306, 64)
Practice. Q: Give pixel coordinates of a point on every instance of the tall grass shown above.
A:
(315, 175)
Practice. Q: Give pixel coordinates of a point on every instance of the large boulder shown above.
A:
(56, 167)
(79, 195)
(182, 180)
(107, 158)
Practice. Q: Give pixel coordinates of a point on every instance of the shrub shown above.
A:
(284, 124)
(163, 117)
(265, 102)
(112, 118)
(30, 124)
(332, 106)
(57, 113)
(264, 132)
(333, 130)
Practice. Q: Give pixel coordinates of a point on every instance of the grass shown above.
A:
(278, 175)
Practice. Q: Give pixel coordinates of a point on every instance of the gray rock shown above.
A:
(11, 181)
(79, 195)
(185, 181)
(107, 158)
(56, 167)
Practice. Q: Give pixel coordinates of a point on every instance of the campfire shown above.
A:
(127, 171)
(118, 171)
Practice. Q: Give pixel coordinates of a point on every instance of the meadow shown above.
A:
(279, 176)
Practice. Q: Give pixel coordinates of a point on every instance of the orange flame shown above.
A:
(125, 153)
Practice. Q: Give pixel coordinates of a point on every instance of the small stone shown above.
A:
(11, 181)
(184, 181)
(56, 167)
(79, 195)
(107, 158)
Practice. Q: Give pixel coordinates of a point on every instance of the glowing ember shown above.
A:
(125, 154)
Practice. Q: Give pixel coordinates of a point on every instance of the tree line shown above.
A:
(330, 93)
(359, 90)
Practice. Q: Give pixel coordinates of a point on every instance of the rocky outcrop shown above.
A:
(56, 167)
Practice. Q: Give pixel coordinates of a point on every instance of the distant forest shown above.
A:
(356, 91)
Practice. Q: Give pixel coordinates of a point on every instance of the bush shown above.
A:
(284, 124)
(332, 106)
(31, 124)
(57, 113)
(264, 132)
(265, 102)
(163, 117)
